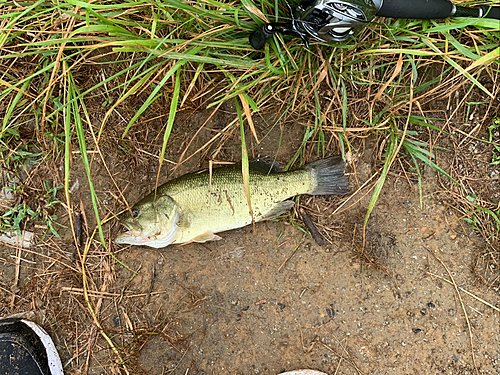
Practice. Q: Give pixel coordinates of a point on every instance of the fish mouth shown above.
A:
(128, 238)
(137, 235)
(158, 240)
(129, 235)
(130, 225)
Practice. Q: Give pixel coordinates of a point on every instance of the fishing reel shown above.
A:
(331, 21)
(335, 21)
(325, 20)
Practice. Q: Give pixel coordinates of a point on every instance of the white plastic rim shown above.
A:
(55, 364)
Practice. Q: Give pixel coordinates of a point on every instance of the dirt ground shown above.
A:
(269, 300)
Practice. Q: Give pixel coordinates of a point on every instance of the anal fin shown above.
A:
(278, 209)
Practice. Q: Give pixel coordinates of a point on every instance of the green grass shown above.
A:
(17, 217)
(150, 47)
(494, 140)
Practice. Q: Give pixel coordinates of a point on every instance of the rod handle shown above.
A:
(416, 9)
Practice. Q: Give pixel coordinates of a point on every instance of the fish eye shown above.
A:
(135, 213)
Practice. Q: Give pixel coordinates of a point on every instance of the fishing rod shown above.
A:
(333, 21)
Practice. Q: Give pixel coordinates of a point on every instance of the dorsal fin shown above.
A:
(265, 165)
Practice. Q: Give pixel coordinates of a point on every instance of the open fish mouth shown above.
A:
(158, 240)
(128, 228)
(129, 235)
(133, 228)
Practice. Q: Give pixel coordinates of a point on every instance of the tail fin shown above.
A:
(328, 176)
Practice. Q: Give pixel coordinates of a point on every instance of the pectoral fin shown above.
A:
(207, 236)
(184, 219)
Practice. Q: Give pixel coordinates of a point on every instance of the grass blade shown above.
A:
(74, 109)
(170, 121)
(391, 147)
(245, 171)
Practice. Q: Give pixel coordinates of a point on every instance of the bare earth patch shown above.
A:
(270, 300)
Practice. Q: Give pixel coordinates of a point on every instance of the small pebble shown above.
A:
(330, 312)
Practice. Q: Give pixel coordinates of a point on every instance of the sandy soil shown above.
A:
(274, 300)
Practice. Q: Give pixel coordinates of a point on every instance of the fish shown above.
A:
(196, 206)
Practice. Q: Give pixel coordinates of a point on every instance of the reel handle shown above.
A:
(434, 9)
(259, 37)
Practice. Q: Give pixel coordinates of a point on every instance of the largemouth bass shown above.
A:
(194, 207)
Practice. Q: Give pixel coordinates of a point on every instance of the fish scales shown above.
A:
(195, 206)
(223, 197)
